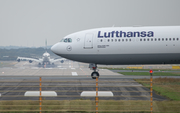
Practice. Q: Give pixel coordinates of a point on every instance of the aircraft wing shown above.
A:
(56, 60)
(30, 59)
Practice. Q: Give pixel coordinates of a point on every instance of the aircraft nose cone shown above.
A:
(54, 48)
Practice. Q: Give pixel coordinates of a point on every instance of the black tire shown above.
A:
(94, 75)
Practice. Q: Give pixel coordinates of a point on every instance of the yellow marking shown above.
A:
(134, 67)
(175, 67)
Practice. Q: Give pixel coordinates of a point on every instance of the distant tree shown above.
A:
(24, 52)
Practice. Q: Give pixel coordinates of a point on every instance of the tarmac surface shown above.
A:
(68, 80)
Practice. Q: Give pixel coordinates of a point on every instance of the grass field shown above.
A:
(139, 69)
(154, 74)
(168, 87)
(88, 106)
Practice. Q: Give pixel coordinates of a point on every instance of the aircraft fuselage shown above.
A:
(122, 45)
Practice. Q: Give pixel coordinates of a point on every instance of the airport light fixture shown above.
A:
(151, 72)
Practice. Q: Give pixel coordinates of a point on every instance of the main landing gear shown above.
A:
(94, 68)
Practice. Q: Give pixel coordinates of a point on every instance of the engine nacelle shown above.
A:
(30, 61)
(18, 60)
(62, 61)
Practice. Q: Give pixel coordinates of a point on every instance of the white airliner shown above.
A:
(122, 45)
(42, 61)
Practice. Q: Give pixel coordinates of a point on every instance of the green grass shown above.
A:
(139, 69)
(88, 106)
(154, 74)
(168, 87)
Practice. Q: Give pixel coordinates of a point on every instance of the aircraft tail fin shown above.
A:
(46, 45)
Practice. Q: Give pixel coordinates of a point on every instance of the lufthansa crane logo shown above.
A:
(69, 48)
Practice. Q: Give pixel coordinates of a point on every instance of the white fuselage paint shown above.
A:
(122, 45)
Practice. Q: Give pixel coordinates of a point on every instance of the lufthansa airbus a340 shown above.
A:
(122, 45)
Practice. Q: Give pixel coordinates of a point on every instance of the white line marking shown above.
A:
(74, 74)
(62, 68)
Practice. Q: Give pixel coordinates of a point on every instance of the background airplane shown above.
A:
(42, 61)
(122, 45)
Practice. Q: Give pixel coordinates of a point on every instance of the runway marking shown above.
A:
(72, 68)
(100, 93)
(62, 68)
(34, 68)
(74, 74)
(48, 68)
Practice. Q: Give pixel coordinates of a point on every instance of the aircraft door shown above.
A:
(88, 42)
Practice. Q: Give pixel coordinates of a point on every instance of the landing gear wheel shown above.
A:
(94, 75)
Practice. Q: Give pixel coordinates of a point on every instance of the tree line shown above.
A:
(12, 54)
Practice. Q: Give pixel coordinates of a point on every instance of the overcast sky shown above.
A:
(30, 22)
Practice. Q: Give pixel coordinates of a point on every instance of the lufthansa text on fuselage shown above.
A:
(113, 34)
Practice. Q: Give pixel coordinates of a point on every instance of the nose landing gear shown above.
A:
(94, 68)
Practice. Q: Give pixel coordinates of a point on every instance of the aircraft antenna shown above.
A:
(46, 45)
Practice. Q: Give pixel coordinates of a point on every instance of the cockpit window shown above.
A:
(62, 40)
(66, 40)
(69, 40)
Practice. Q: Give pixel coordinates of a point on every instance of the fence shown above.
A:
(76, 94)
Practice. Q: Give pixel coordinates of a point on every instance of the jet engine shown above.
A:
(18, 60)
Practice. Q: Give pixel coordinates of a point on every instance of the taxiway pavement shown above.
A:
(68, 80)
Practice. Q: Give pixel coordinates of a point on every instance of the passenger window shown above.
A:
(126, 40)
(115, 40)
(144, 39)
(108, 40)
(162, 39)
(173, 39)
(166, 39)
(170, 39)
(177, 39)
(111, 40)
(140, 39)
(155, 39)
(101, 40)
(119, 40)
(148, 39)
(123, 40)
(151, 39)
(130, 40)
(159, 39)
